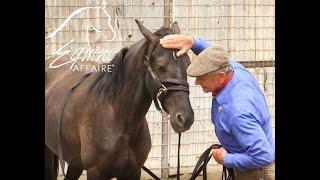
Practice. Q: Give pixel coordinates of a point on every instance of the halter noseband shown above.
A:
(180, 85)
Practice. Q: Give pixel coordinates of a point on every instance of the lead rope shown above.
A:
(178, 166)
(159, 107)
(227, 174)
(178, 163)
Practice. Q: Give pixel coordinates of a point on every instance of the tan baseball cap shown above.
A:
(209, 60)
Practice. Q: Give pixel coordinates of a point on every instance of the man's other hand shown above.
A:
(219, 154)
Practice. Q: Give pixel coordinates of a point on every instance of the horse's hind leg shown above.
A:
(73, 173)
(51, 165)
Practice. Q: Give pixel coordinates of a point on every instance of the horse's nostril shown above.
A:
(180, 118)
(182, 121)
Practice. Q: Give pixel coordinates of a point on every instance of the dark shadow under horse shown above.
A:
(104, 129)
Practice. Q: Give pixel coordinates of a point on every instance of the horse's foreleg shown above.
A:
(133, 176)
(73, 173)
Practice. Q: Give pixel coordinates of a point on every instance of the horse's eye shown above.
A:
(162, 61)
(161, 68)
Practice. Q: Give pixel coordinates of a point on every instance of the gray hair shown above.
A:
(227, 69)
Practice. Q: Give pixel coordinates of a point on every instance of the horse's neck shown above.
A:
(135, 98)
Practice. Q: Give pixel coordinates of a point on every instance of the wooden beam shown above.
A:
(257, 64)
(167, 12)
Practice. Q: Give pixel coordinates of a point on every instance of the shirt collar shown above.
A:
(226, 81)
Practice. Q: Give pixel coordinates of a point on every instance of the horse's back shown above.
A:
(62, 69)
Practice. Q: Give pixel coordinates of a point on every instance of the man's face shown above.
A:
(210, 82)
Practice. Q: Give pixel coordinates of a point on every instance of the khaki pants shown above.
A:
(265, 173)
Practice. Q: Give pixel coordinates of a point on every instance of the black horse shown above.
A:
(104, 129)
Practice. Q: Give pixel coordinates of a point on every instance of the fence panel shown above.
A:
(244, 27)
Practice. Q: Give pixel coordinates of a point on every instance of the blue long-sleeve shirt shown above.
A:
(241, 119)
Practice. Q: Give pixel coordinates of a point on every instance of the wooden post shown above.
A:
(167, 12)
(164, 146)
(229, 25)
(165, 117)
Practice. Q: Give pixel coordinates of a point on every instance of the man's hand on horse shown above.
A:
(177, 41)
(218, 155)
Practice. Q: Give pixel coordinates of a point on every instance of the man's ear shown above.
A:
(221, 76)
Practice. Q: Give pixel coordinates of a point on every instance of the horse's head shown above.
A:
(166, 78)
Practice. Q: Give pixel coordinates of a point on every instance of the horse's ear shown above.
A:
(146, 33)
(175, 28)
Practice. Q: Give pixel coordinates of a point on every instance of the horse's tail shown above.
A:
(51, 164)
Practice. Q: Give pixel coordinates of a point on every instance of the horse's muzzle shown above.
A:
(181, 121)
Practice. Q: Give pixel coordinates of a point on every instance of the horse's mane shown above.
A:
(106, 84)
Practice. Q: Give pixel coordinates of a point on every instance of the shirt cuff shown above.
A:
(199, 45)
(196, 45)
(228, 160)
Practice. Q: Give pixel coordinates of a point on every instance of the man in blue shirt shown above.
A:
(239, 110)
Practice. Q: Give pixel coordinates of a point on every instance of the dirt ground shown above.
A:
(210, 176)
(214, 173)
